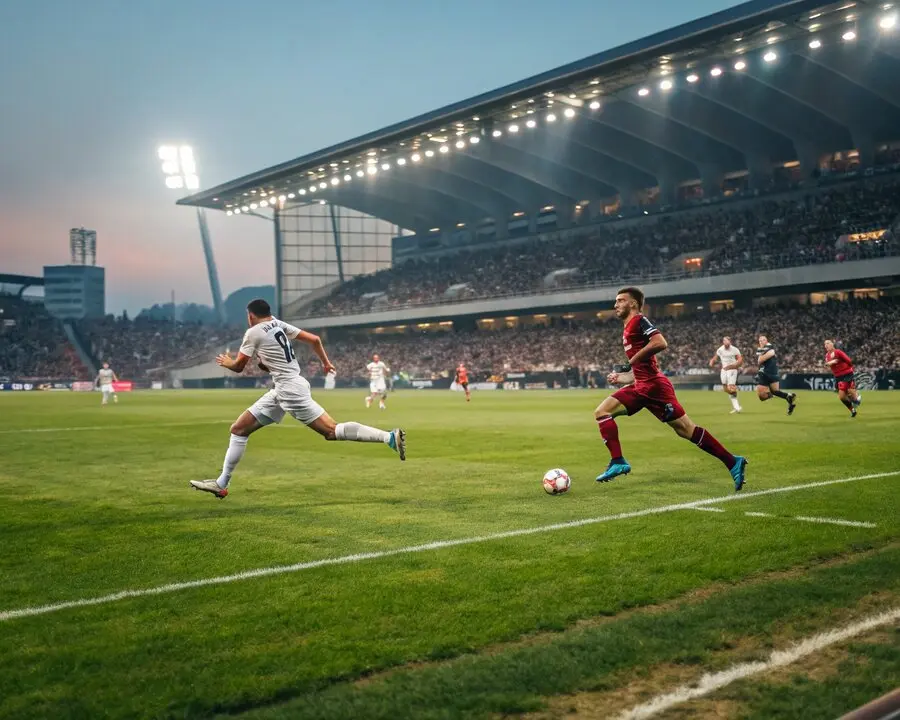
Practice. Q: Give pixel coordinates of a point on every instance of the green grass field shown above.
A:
(584, 620)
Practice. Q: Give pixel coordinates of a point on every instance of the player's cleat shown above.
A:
(735, 411)
(398, 442)
(368, 401)
(382, 406)
(739, 471)
(613, 470)
(209, 486)
(853, 412)
(792, 403)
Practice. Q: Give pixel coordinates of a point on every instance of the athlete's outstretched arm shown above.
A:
(315, 342)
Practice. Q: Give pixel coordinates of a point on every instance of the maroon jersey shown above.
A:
(637, 334)
(843, 366)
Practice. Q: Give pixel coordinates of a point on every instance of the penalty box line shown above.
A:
(411, 549)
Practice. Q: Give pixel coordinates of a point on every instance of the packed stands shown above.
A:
(868, 329)
(33, 344)
(770, 233)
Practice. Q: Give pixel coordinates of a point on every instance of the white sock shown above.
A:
(235, 452)
(734, 402)
(356, 432)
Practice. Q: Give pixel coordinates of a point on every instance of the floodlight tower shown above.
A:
(180, 169)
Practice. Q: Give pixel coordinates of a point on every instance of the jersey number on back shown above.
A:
(282, 340)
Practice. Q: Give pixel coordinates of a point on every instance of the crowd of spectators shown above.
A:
(867, 329)
(33, 344)
(762, 235)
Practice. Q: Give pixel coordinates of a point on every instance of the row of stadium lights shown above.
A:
(887, 22)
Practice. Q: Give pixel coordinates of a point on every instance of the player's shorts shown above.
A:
(106, 389)
(729, 377)
(845, 382)
(765, 379)
(656, 394)
(377, 387)
(293, 398)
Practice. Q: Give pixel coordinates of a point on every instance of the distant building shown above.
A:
(74, 292)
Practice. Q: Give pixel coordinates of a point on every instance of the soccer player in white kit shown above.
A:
(269, 339)
(731, 360)
(377, 384)
(105, 379)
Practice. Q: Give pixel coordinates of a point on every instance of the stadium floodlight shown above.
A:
(665, 85)
(335, 181)
(323, 185)
(229, 213)
(264, 203)
(644, 92)
(530, 123)
(401, 161)
(474, 140)
(301, 191)
(594, 105)
(692, 78)
(513, 128)
(770, 56)
(253, 206)
(551, 118)
(416, 157)
(371, 169)
(496, 133)
(246, 208)
(429, 153)
(716, 72)
(815, 44)
(348, 177)
(291, 196)
(772, 39)
(360, 173)
(313, 188)
(179, 167)
(740, 65)
(445, 149)
(460, 144)
(569, 113)
(888, 22)
(848, 36)
(385, 166)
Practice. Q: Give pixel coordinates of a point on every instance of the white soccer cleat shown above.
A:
(735, 411)
(209, 486)
(368, 401)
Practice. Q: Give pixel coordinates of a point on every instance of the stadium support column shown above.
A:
(865, 146)
(808, 155)
(211, 265)
(760, 169)
(276, 223)
(336, 234)
(711, 177)
(565, 215)
(668, 189)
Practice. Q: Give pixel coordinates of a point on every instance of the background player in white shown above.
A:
(269, 339)
(105, 379)
(377, 383)
(731, 360)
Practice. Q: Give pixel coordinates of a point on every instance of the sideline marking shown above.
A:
(117, 428)
(836, 521)
(436, 545)
(778, 658)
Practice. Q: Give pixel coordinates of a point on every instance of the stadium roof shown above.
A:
(759, 85)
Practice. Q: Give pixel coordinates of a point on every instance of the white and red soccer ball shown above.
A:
(557, 481)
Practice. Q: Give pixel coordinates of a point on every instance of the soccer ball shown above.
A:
(557, 481)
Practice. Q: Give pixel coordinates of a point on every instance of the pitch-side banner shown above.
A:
(123, 386)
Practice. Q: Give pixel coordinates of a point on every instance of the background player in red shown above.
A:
(462, 379)
(648, 388)
(842, 367)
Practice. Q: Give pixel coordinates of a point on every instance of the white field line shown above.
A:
(779, 658)
(836, 521)
(436, 545)
(757, 514)
(117, 428)
(708, 509)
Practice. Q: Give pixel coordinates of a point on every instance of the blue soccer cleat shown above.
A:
(397, 442)
(739, 471)
(614, 469)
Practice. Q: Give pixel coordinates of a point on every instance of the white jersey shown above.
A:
(376, 371)
(105, 376)
(728, 355)
(270, 341)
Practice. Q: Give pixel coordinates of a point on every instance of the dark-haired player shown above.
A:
(767, 385)
(842, 367)
(269, 339)
(647, 387)
(462, 379)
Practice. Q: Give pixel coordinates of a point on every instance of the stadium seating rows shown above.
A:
(764, 235)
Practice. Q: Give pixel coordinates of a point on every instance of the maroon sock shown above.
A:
(704, 440)
(847, 404)
(610, 433)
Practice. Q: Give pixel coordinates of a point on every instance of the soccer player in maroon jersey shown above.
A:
(842, 367)
(647, 387)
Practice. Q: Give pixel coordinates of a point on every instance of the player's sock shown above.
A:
(847, 404)
(706, 442)
(357, 432)
(734, 402)
(236, 446)
(782, 394)
(609, 431)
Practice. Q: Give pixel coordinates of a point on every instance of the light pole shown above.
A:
(180, 169)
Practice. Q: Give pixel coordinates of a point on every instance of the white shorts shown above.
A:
(729, 377)
(377, 387)
(106, 389)
(293, 398)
